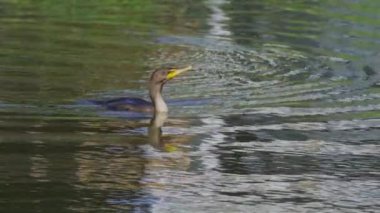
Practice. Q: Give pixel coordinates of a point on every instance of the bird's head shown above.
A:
(161, 76)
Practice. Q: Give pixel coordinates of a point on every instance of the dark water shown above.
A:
(280, 114)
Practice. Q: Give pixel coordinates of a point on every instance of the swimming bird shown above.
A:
(156, 82)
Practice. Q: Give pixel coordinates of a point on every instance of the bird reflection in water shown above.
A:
(154, 129)
(128, 174)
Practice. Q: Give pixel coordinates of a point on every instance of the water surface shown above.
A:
(280, 114)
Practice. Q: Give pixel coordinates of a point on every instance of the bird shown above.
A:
(157, 80)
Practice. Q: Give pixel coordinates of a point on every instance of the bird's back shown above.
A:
(127, 104)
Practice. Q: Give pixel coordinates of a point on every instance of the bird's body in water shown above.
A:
(156, 82)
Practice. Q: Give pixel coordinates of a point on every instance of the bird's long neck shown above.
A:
(156, 97)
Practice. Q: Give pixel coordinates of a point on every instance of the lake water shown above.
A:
(280, 114)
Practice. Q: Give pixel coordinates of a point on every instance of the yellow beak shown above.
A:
(175, 72)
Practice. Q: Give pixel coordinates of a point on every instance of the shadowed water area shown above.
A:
(281, 112)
